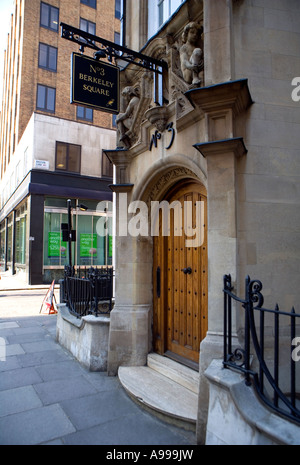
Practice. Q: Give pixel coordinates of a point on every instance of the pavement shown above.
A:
(47, 397)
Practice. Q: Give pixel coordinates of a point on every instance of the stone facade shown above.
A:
(236, 132)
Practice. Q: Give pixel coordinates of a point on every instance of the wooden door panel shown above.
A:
(180, 313)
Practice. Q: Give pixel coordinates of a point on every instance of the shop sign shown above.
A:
(88, 245)
(94, 84)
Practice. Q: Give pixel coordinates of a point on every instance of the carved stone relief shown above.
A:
(131, 95)
(191, 54)
(166, 180)
(136, 100)
(186, 68)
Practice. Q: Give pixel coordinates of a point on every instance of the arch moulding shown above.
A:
(157, 181)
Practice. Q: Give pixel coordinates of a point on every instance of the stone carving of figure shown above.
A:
(191, 56)
(125, 120)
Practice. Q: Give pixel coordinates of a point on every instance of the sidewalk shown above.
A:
(47, 397)
(9, 282)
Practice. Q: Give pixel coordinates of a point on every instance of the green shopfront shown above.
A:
(31, 242)
(90, 247)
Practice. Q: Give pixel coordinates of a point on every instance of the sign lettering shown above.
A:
(95, 84)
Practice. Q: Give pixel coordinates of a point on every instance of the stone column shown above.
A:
(130, 324)
(218, 56)
(221, 105)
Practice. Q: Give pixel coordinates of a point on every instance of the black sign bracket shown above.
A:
(105, 48)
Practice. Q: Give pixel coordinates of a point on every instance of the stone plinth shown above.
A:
(86, 338)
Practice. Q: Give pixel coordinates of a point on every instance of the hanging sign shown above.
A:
(94, 84)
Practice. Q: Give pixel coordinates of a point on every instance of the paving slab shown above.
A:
(59, 390)
(35, 426)
(18, 399)
(11, 379)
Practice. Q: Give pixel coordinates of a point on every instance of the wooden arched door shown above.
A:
(180, 276)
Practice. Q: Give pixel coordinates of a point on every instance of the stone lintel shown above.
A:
(235, 145)
(234, 95)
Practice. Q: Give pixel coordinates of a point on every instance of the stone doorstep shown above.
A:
(179, 373)
(154, 388)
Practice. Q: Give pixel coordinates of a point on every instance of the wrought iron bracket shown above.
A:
(106, 49)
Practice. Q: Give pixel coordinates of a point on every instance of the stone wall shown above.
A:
(86, 338)
(231, 402)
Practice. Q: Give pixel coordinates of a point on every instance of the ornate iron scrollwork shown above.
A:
(255, 294)
(237, 357)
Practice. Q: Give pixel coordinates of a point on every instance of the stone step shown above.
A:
(160, 394)
(179, 373)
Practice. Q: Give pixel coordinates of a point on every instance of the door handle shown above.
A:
(187, 270)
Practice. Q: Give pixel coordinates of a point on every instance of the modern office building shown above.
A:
(51, 150)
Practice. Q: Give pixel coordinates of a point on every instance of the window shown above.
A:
(91, 3)
(47, 57)
(159, 11)
(45, 98)
(90, 248)
(87, 26)
(20, 235)
(117, 38)
(84, 113)
(49, 17)
(68, 157)
(107, 166)
(118, 9)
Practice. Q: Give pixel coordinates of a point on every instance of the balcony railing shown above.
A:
(270, 335)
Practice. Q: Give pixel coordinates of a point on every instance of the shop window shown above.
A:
(90, 248)
(49, 17)
(55, 250)
(2, 244)
(45, 98)
(68, 157)
(47, 57)
(20, 244)
(91, 3)
(9, 238)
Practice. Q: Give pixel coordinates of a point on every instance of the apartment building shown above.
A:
(51, 150)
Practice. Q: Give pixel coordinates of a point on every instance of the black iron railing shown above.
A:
(88, 291)
(274, 344)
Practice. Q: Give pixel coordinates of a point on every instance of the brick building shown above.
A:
(51, 150)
